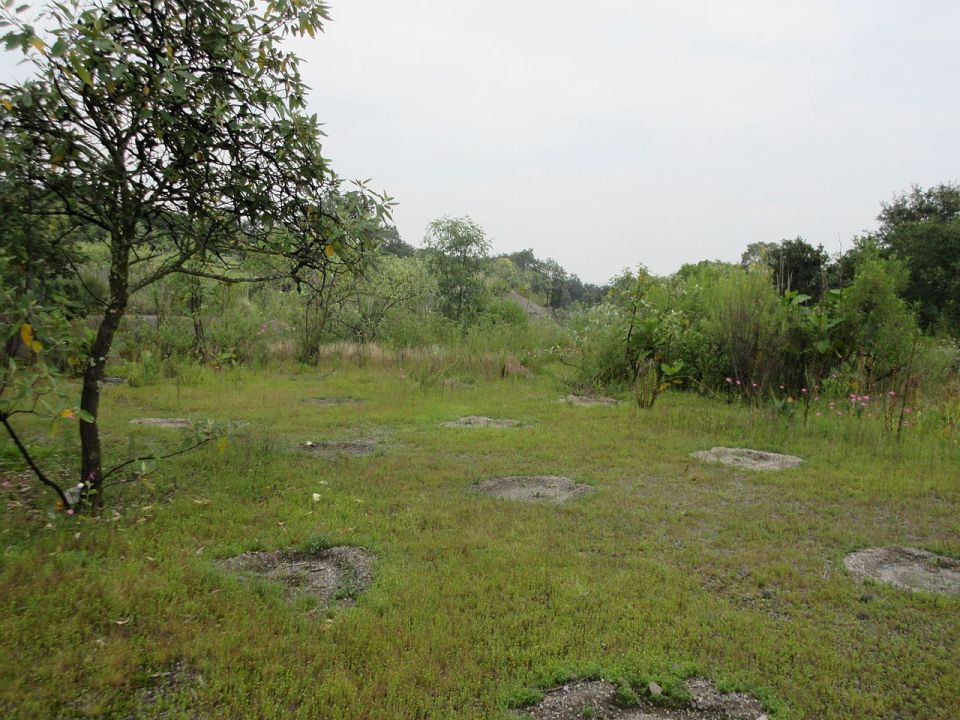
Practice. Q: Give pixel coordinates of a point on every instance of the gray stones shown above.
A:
(588, 400)
(748, 459)
(598, 699)
(334, 576)
(907, 568)
(162, 422)
(332, 401)
(334, 448)
(533, 488)
(476, 421)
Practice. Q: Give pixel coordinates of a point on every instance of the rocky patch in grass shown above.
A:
(475, 421)
(533, 488)
(334, 448)
(599, 699)
(588, 400)
(328, 401)
(748, 459)
(908, 568)
(162, 422)
(159, 688)
(335, 576)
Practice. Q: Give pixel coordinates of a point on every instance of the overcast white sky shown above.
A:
(616, 132)
(613, 132)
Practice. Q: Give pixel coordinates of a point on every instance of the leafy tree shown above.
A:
(795, 264)
(458, 255)
(177, 130)
(922, 228)
(393, 244)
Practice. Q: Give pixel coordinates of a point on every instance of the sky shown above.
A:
(617, 132)
(611, 133)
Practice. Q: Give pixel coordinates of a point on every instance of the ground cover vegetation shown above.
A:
(216, 351)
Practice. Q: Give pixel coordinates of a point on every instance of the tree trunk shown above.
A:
(91, 459)
(195, 305)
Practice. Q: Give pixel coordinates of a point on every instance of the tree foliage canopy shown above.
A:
(177, 132)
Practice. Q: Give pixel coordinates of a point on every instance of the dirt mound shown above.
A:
(907, 568)
(327, 401)
(598, 699)
(748, 459)
(473, 421)
(533, 488)
(162, 422)
(336, 575)
(588, 400)
(333, 448)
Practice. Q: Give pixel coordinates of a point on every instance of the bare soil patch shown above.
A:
(588, 400)
(533, 488)
(161, 686)
(908, 568)
(748, 459)
(334, 448)
(335, 576)
(114, 380)
(162, 422)
(597, 699)
(473, 421)
(328, 401)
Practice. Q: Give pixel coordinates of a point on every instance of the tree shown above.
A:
(795, 264)
(177, 130)
(458, 254)
(922, 228)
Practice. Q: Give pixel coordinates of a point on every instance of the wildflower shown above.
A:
(803, 390)
(819, 414)
(729, 380)
(866, 398)
(755, 385)
(738, 382)
(908, 410)
(782, 387)
(70, 511)
(892, 393)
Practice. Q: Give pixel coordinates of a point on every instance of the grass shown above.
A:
(672, 567)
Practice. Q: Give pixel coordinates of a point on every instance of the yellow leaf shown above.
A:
(39, 45)
(7, 104)
(26, 334)
(329, 251)
(66, 413)
(37, 346)
(221, 444)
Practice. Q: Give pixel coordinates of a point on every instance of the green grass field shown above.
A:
(673, 567)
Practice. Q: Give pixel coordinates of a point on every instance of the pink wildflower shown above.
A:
(729, 380)
(70, 511)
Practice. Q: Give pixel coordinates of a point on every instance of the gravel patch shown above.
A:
(162, 422)
(748, 459)
(588, 400)
(597, 699)
(335, 576)
(534, 488)
(474, 421)
(908, 568)
(334, 448)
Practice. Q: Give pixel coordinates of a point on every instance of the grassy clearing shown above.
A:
(672, 567)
